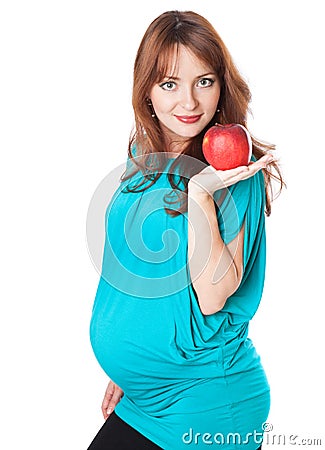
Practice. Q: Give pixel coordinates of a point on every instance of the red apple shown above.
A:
(227, 146)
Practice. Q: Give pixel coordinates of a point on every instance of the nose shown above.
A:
(188, 100)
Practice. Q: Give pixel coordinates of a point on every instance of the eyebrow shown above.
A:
(199, 76)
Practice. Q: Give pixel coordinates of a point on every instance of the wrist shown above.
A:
(195, 191)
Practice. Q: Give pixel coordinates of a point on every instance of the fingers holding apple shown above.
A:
(209, 180)
(228, 146)
(228, 150)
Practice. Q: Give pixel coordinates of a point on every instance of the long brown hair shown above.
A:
(169, 31)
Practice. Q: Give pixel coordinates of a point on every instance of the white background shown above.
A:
(66, 74)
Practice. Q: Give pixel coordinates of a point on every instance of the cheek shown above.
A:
(211, 102)
(162, 103)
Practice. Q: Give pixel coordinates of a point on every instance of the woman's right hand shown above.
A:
(210, 179)
(113, 395)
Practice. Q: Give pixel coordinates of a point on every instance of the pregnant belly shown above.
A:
(133, 341)
(139, 356)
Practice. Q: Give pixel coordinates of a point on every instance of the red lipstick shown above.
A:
(188, 119)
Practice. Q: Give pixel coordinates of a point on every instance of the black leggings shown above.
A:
(116, 434)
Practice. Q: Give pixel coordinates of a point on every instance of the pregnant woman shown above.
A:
(184, 257)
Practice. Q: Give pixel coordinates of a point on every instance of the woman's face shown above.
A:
(186, 101)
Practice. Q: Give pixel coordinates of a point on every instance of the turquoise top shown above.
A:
(180, 370)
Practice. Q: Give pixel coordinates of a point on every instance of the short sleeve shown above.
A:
(231, 206)
(242, 202)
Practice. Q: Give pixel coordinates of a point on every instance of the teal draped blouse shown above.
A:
(180, 370)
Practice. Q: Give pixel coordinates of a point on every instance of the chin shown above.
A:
(184, 132)
(190, 132)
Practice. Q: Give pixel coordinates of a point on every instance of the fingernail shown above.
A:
(109, 410)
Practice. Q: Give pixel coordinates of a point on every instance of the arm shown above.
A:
(216, 269)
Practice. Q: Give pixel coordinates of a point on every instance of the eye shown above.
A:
(205, 82)
(168, 85)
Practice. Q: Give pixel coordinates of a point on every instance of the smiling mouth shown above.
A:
(189, 119)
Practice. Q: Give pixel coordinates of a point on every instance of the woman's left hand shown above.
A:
(210, 179)
(113, 395)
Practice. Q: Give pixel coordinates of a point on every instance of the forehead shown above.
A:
(179, 61)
